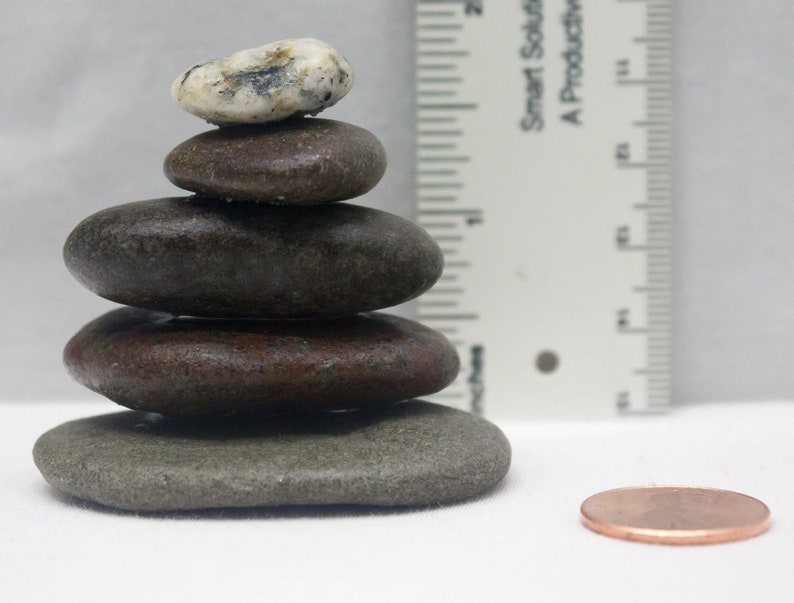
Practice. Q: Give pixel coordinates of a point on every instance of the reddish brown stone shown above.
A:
(179, 366)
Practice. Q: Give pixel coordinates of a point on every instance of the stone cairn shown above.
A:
(248, 349)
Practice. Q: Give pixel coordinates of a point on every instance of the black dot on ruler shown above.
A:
(547, 361)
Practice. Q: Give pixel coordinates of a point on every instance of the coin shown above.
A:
(675, 515)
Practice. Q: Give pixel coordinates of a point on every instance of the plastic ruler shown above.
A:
(543, 171)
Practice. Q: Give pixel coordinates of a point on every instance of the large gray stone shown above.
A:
(197, 366)
(204, 257)
(409, 453)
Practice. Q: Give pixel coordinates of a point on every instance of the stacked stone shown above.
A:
(249, 350)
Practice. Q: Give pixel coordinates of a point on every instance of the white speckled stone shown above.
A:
(293, 77)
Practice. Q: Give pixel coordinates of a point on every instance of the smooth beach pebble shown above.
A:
(299, 161)
(205, 257)
(193, 366)
(293, 77)
(408, 453)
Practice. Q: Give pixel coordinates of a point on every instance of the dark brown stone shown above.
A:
(193, 366)
(205, 257)
(409, 453)
(297, 162)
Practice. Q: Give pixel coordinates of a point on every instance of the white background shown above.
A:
(87, 119)
(521, 543)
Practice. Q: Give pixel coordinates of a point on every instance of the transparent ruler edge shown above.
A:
(441, 66)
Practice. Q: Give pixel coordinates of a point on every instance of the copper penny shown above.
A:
(675, 515)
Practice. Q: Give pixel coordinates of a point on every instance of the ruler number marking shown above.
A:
(473, 7)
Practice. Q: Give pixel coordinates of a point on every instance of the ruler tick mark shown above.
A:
(437, 198)
(440, 132)
(451, 212)
(440, 27)
(436, 185)
(437, 172)
(470, 316)
(435, 13)
(439, 80)
(435, 146)
(436, 66)
(444, 158)
(447, 106)
(437, 225)
(436, 41)
(437, 120)
(443, 53)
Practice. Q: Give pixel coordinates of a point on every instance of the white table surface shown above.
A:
(522, 542)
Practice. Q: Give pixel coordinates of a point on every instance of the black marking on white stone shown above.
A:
(191, 70)
(262, 81)
(340, 69)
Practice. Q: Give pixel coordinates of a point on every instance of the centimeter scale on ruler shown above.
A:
(543, 151)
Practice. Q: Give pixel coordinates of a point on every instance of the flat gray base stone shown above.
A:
(408, 453)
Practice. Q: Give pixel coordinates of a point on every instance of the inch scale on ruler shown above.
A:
(543, 172)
